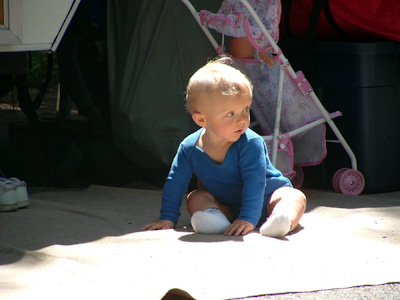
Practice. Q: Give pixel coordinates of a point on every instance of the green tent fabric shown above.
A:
(154, 46)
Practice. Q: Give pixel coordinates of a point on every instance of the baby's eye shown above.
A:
(247, 109)
(230, 114)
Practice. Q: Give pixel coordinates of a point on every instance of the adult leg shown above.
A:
(208, 215)
(285, 208)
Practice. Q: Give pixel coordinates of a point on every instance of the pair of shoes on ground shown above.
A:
(13, 194)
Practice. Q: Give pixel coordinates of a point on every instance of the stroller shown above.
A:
(295, 137)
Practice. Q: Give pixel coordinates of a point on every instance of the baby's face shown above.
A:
(227, 117)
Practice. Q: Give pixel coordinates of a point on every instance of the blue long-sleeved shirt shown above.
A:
(244, 181)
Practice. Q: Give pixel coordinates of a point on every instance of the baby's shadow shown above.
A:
(209, 238)
(205, 238)
(215, 238)
(296, 230)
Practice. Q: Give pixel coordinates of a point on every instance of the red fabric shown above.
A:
(366, 20)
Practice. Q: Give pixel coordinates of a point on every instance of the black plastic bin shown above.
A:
(362, 80)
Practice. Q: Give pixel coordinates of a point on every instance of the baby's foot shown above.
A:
(210, 221)
(276, 226)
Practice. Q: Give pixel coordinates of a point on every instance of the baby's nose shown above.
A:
(241, 119)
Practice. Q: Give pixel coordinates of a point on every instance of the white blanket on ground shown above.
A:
(76, 244)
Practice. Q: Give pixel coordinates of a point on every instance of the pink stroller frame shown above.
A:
(296, 136)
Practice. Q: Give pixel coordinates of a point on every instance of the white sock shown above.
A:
(276, 226)
(210, 221)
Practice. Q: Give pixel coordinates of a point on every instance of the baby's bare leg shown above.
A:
(201, 199)
(289, 201)
(208, 215)
(285, 208)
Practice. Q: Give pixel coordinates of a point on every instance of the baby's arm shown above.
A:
(174, 189)
(160, 224)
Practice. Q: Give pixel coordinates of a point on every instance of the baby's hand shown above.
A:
(239, 227)
(160, 224)
(265, 56)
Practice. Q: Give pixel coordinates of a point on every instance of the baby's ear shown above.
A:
(199, 119)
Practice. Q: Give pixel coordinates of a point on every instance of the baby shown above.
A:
(239, 189)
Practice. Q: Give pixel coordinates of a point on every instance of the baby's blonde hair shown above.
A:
(217, 77)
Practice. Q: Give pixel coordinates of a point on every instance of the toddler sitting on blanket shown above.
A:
(239, 187)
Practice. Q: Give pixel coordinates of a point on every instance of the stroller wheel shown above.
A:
(336, 179)
(351, 182)
(298, 179)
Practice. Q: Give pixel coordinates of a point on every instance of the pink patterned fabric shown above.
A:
(309, 147)
(284, 159)
(233, 19)
(304, 149)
